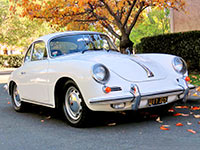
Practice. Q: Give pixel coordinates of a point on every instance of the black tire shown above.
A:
(18, 105)
(73, 106)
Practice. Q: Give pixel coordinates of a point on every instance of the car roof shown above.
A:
(48, 37)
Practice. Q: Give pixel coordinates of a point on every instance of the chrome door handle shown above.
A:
(23, 73)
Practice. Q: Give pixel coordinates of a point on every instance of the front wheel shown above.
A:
(18, 105)
(74, 107)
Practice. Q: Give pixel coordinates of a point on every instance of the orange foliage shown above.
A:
(116, 16)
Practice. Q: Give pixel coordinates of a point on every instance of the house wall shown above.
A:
(186, 21)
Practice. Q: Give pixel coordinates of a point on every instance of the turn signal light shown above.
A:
(107, 90)
(187, 78)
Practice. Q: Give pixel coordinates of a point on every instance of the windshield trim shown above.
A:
(111, 44)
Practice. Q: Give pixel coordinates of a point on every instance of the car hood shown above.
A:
(129, 67)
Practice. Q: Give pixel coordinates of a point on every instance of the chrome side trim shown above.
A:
(111, 100)
(36, 102)
(148, 71)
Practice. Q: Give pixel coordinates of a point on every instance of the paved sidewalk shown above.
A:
(5, 73)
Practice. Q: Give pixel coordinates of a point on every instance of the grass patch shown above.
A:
(195, 79)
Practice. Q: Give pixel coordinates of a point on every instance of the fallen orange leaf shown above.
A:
(185, 115)
(8, 102)
(171, 110)
(195, 77)
(177, 114)
(167, 126)
(189, 123)
(112, 124)
(159, 120)
(164, 128)
(179, 124)
(192, 131)
(195, 108)
(181, 107)
(198, 89)
(197, 116)
(195, 94)
(49, 117)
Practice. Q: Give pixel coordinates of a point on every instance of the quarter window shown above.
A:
(39, 51)
(28, 54)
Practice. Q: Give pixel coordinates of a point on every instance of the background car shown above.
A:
(80, 72)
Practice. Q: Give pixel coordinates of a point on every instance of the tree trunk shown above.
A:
(125, 43)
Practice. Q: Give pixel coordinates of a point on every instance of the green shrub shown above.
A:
(185, 45)
(11, 60)
(2, 59)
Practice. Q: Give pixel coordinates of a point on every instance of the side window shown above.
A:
(39, 51)
(28, 54)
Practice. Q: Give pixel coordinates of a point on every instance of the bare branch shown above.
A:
(103, 23)
(117, 19)
(129, 13)
(110, 29)
(136, 17)
(93, 20)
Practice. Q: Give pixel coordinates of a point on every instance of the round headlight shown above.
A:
(179, 65)
(100, 73)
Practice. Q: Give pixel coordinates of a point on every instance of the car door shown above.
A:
(34, 75)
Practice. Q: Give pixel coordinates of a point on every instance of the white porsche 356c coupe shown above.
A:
(80, 72)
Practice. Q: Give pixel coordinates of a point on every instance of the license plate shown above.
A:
(156, 101)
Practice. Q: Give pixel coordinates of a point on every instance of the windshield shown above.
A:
(80, 43)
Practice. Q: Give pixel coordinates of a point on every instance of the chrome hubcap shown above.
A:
(73, 103)
(16, 97)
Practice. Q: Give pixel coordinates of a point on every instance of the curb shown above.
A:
(193, 98)
(7, 71)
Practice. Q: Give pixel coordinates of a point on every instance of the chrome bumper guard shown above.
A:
(136, 92)
(184, 85)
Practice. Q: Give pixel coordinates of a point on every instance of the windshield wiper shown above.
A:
(83, 51)
(116, 50)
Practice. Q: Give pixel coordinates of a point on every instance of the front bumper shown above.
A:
(134, 97)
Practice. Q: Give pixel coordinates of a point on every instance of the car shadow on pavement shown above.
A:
(100, 119)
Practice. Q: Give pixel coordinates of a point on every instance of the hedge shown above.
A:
(185, 45)
(11, 60)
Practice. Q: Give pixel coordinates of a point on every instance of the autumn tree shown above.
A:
(18, 31)
(116, 16)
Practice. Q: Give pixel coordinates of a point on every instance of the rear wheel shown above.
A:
(18, 105)
(74, 107)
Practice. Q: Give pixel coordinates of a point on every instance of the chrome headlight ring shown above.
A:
(179, 65)
(100, 73)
